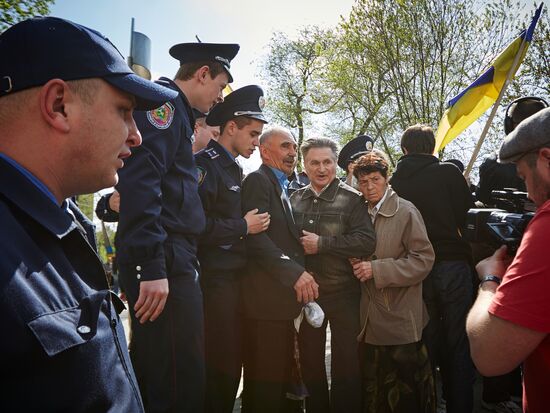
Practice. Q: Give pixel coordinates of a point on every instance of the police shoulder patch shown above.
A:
(162, 117)
(201, 174)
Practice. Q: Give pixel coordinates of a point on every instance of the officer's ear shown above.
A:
(54, 98)
(203, 74)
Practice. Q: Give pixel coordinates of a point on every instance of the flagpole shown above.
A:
(509, 75)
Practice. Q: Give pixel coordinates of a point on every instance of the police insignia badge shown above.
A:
(261, 102)
(201, 174)
(368, 145)
(161, 117)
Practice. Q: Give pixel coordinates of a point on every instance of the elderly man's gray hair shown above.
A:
(274, 130)
(319, 143)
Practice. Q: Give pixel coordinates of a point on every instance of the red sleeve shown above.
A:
(523, 298)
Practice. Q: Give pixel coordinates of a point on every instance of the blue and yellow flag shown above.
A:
(473, 101)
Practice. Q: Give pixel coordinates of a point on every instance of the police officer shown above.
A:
(222, 251)
(63, 346)
(160, 220)
(351, 151)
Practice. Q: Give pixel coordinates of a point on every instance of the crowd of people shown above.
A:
(225, 273)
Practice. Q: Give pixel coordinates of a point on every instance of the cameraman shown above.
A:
(510, 323)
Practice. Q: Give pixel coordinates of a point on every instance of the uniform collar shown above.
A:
(20, 191)
(173, 85)
(225, 158)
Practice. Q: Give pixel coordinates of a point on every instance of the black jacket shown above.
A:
(275, 257)
(340, 217)
(442, 196)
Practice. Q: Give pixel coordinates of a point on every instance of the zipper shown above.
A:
(113, 323)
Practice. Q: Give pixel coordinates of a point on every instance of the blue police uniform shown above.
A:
(63, 347)
(222, 250)
(222, 255)
(160, 219)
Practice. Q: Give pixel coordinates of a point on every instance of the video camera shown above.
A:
(503, 225)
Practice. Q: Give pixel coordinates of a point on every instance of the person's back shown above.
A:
(442, 196)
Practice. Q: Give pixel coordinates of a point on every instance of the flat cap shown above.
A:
(37, 50)
(222, 53)
(529, 135)
(247, 101)
(354, 149)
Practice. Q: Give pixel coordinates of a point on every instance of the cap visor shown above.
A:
(149, 95)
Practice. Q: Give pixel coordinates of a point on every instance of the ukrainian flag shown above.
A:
(473, 101)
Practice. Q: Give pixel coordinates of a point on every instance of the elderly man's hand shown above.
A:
(310, 243)
(361, 269)
(496, 264)
(307, 290)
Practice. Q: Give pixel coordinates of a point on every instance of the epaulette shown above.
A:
(211, 152)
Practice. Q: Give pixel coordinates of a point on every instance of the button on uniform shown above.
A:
(83, 329)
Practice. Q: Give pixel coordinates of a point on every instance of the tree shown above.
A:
(13, 11)
(294, 71)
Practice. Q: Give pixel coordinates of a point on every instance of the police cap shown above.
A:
(222, 53)
(247, 101)
(37, 50)
(354, 149)
(529, 135)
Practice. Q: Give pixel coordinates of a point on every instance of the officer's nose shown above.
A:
(134, 136)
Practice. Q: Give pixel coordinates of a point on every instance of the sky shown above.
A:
(250, 23)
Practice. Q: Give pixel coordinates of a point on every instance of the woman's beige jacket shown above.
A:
(392, 309)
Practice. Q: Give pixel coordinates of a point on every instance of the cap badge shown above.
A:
(162, 117)
(261, 102)
(368, 145)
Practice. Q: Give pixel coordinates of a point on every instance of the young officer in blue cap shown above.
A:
(160, 220)
(222, 252)
(66, 127)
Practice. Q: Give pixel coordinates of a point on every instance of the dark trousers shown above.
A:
(168, 353)
(223, 339)
(268, 361)
(447, 292)
(502, 388)
(342, 311)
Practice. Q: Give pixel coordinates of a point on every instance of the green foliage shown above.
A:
(391, 64)
(13, 11)
(294, 71)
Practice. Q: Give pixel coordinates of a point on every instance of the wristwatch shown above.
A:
(493, 278)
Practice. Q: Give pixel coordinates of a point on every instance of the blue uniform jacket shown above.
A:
(222, 245)
(160, 209)
(63, 345)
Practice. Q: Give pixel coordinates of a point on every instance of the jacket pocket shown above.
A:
(59, 331)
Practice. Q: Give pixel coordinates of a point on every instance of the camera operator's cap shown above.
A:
(247, 101)
(37, 50)
(529, 135)
(354, 149)
(222, 53)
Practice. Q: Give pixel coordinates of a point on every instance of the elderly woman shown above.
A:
(397, 376)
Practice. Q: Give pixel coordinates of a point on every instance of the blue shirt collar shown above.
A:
(281, 177)
(34, 180)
